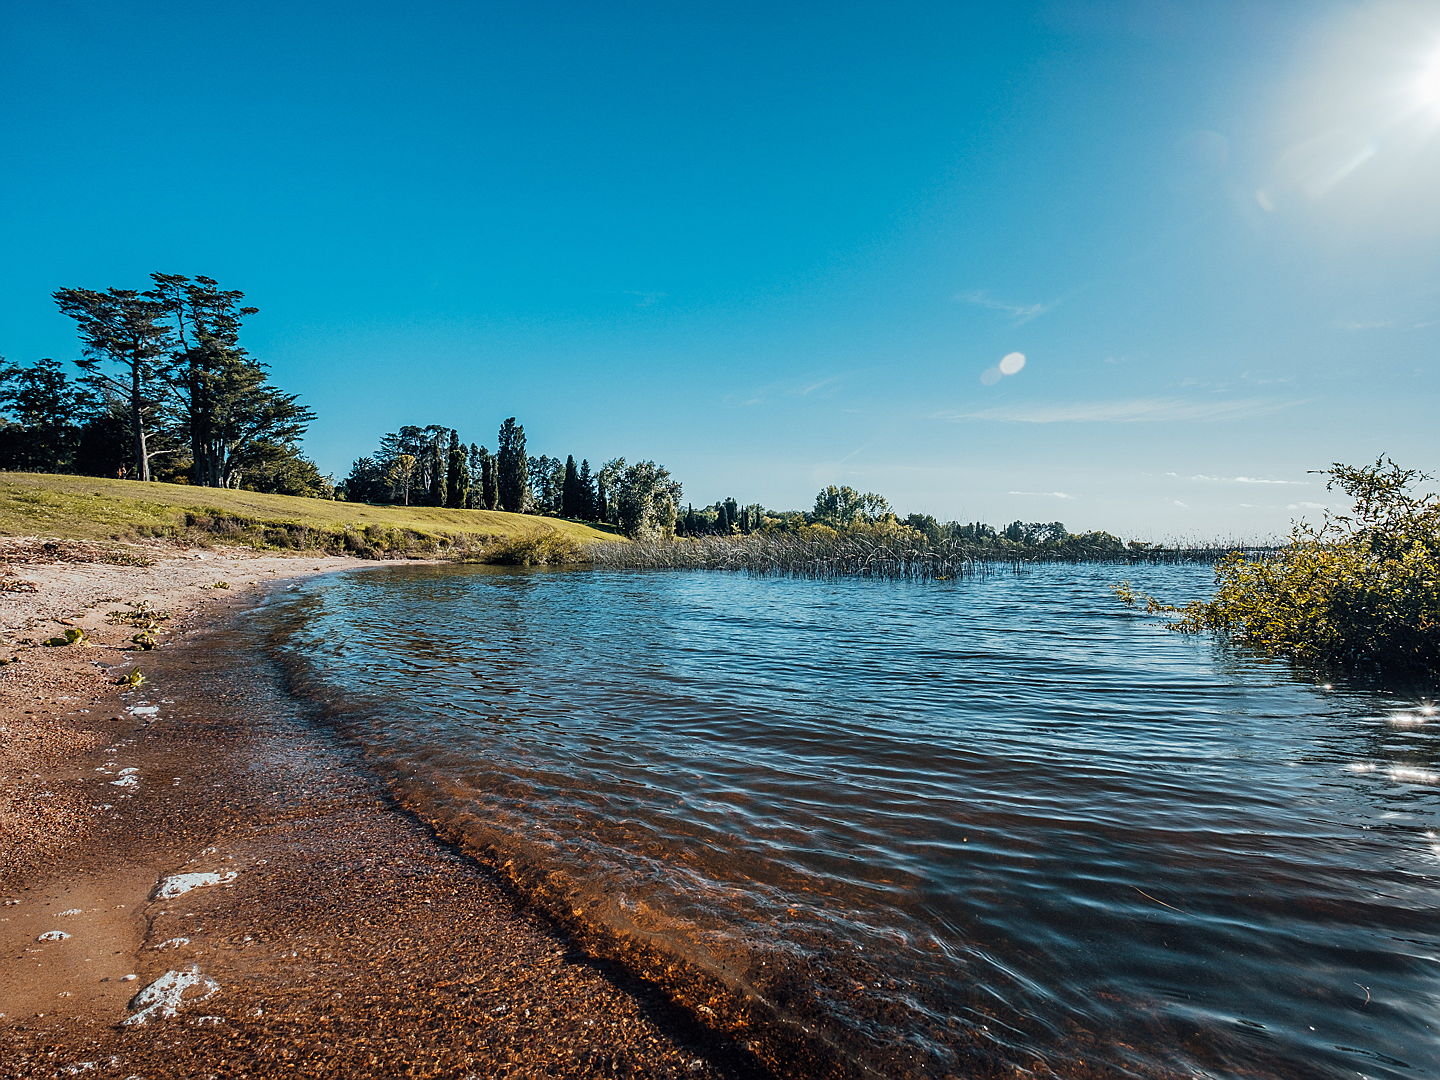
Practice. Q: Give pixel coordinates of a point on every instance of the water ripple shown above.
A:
(988, 827)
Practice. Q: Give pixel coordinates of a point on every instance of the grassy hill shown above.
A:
(92, 508)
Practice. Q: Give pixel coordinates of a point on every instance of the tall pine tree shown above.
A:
(512, 468)
(457, 481)
(586, 485)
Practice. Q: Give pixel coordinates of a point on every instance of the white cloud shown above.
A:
(772, 392)
(1306, 506)
(1137, 410)
(1240, 480)
(1021, 313)
(1043, 494)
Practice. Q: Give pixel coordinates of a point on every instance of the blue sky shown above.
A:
(775, 246)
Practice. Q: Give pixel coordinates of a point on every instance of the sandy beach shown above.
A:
(196, 880)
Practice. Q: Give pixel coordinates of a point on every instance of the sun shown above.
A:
(1427, 86)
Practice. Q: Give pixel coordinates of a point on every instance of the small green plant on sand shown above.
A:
(140, 615)
(135, 678)
(144, 640)
(72, 636)
(1361, 590)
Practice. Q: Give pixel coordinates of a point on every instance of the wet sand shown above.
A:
(197, 880)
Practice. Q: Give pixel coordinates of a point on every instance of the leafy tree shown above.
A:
(843, 507)
(457, 481)
(585, 492)
(646, 501)
(102, 447)
(128, 330)
(547, 476)
(1362, 590)
(570, 501)
(280, 469)
(512, 468)
(437, 466)
(399, 475)
(484, 465)
(367, 482)
(45, 410)
(607, 482)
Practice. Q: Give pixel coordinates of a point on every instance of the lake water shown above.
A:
(992, 827)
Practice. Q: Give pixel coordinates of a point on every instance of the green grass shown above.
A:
(92, 508)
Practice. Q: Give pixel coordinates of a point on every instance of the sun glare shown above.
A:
(1427, 86)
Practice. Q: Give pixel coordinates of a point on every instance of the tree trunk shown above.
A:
(137, 422)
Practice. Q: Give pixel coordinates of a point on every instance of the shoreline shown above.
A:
(225, 888)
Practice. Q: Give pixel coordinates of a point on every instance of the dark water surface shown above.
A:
(993, 827)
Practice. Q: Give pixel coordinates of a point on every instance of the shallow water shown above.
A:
(991, 827)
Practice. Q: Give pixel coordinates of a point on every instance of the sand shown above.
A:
(196, 879)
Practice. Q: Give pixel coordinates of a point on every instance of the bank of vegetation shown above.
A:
(1361, 591)
(99, 509)
(853, 533)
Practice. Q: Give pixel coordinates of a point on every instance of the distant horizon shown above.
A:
(1142, 270)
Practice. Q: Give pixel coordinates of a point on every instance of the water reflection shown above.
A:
(918, 829)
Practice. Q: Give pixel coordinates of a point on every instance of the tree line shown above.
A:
(841, 510)
(433, 465)
(164, 391)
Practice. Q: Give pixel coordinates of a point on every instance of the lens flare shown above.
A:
(1427, 86)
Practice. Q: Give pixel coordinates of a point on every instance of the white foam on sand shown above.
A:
(53, 935)
(128, 780)
(180, 884)
(173, 943)
(144, 710)
(164, 997)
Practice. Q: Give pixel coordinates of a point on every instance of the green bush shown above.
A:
(545, 549)
(1360, 591)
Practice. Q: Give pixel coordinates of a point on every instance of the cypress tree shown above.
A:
(475, 496)
(457, 479)
(489, 481)
(586, 484)
(570, 490)
(438, 467)
(512, 468)
(602, 501)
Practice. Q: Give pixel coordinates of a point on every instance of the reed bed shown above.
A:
(879, 557)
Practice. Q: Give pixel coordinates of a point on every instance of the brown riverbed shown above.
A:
(322, 931)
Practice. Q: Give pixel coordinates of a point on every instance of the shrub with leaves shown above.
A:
(543, 549)
(1361, 590)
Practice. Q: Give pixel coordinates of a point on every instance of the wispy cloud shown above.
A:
(791, 388)
(1043, 494)
(1305, 506)
(1132, 411)
(819, 384)
(1205, 477)
(1019, 313)
(1385, 324)
(1255, 378)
